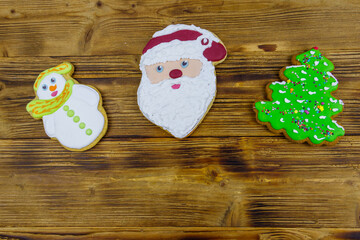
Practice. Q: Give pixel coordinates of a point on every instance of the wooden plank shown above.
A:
(194, 233)
(247, 182)
(108, 27)
(241, 80)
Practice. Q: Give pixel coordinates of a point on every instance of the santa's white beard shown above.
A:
(178, 111)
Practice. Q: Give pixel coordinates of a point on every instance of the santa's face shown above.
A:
(176, 95)
(51, 86)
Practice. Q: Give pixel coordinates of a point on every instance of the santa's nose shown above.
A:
(175, 73)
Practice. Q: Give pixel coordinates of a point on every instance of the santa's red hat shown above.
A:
(183, 41)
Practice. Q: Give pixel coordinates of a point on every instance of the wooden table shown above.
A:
(231, 179)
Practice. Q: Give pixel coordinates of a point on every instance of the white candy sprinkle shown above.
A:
(306, 120)
(325, 63)
(312, 52)
(300, 101)
(303, 72)
(311, 93)
(326, 88)
(335, 109)
(316, 63)
(282, 120)
(277, 102)
(287, 100)
(330, 128)
(322, 117)
(316, 79)
(262, 102)
(303, 79)
(295, 131)
(281, 83)
(282, 91)
(341, 102)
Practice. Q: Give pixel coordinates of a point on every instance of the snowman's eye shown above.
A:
(53, 80)
(44, 87)
(159, 69)
(184, 64)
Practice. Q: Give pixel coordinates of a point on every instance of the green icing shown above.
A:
(88, 131)
(303, 104)
(82, 125)
(70, 113)
(66, 107)
(76, 119)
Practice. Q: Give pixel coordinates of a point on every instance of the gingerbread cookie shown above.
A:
(302, 106)
(72, 113)
(178, 83)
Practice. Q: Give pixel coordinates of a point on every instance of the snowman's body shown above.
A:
(78, 122)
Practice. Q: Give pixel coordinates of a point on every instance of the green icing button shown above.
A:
(70, 113)
(66, 107)
(82, 125)
(88, 131)
(76, 119)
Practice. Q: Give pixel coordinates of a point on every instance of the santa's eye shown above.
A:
(53, 80)
(44, 87)
(184, 64)
(159, 69)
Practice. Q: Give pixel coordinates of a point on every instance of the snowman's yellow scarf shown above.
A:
(39, 107)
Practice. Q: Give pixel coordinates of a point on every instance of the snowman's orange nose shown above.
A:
(52, 88)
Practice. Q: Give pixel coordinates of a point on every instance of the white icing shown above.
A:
(178, 111)
(330, 128)
(316, 63)
(326, 88)
(277, 102)
(318, 138)
(333, 100)
(300, 101)
(311, 93)
(338, 125)
(322, 117)
(280, 91)
(84, 102)
(336, 81)
(341, 102)
(287, 100)
(316, 79)
(312, 52)
(303, 72)
(295, 131)
(335, 109)
(295, 66)
(281, 83)
(282, 120)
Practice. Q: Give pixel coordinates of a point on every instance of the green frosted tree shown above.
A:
(301, 105)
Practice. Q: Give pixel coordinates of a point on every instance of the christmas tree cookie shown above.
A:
(71, 112)
(302, 106)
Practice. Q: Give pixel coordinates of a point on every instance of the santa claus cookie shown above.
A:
(72, 113)
(178, 83)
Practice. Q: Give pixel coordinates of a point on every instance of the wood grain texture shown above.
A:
(231, 179)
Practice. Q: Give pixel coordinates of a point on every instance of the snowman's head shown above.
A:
(51, 86)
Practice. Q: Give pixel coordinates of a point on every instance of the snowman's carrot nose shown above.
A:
(52, 88)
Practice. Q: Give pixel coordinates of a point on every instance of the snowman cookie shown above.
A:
(178, 84)
(71, 112)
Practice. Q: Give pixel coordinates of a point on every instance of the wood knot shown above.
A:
(268, 47)
(99, 4)
(12, 11)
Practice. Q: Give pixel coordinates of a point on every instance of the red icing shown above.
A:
(215, 53)
(316, 48)
(182, 35)
(176, 86)
(175, 73)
